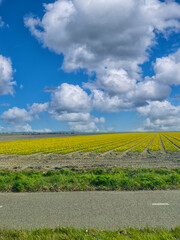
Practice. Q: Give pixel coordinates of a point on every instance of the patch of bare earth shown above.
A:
(145, 153)
(82, 160)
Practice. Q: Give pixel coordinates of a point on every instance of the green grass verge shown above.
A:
(78, 234)
(83, 180)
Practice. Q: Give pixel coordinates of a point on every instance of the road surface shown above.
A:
(100, 210)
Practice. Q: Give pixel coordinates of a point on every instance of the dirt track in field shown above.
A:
(91, 160)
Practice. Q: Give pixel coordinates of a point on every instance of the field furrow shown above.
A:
(130, 145)
(168, 146)
(173, 141)
(141, 147)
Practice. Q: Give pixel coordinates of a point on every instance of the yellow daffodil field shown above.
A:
(117, 142)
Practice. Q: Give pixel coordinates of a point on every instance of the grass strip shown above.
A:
(94, 179)
(81, 234)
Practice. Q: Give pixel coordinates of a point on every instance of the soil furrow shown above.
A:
(145, 152)
(162, 146)
(172, 142)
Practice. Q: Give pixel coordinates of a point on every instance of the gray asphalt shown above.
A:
(100, 210)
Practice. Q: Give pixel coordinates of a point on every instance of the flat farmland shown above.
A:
(49, 152)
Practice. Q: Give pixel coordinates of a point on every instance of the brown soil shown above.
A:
(83, 160)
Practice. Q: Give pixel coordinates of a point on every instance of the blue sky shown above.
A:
(87, 66)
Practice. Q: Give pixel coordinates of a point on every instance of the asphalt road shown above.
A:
(102, 210)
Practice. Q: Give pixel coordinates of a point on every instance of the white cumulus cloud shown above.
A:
(167, 69)
(20, 116)
(92, 34)
(69, 98)
(83, 127)
(24, 128)
(17, 119)
(6, 78)
(16, 116)
(110, 38)
(37, 108)
(161, 116)
(70, 103)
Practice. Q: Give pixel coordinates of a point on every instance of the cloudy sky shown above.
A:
(89, 66)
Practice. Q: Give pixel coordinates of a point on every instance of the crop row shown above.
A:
(94, 143)
(141, 147)
(68, 144)
(156, 144)
(130, 145)
(168, 146)
(120, 144)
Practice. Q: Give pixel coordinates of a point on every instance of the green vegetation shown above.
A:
(71, 233)
(95, 179)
